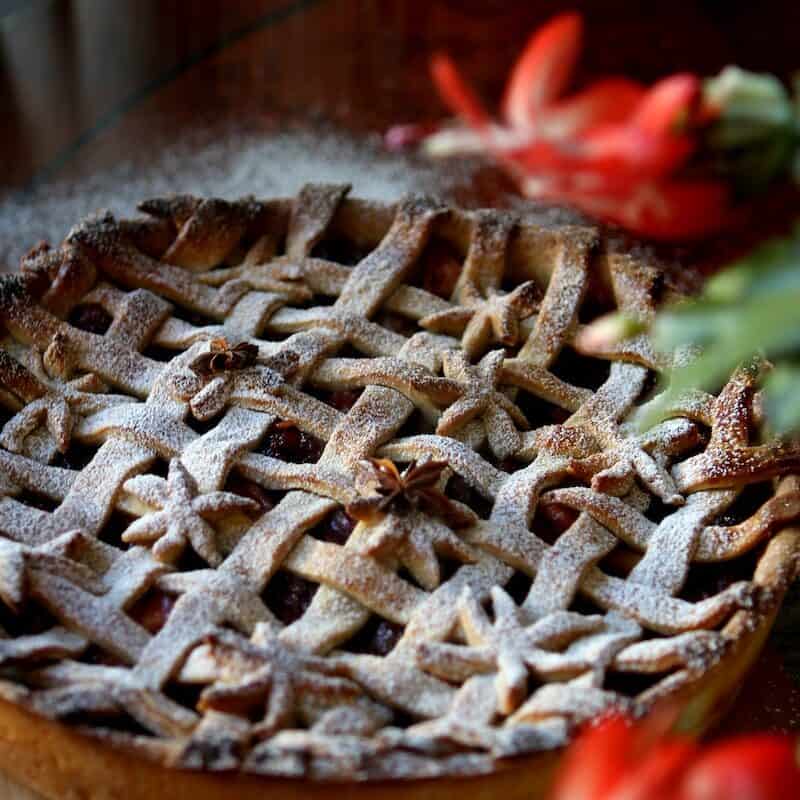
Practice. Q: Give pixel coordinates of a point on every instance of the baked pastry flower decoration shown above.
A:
(263, 673)
(52, 559)
(481, 318)
(182, 516)
(481, 399)
(411, 519)
(511, 646)
(416, 539)
(225, 368)
(614, 469)
(50, 398)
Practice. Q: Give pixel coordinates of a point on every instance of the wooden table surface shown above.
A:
(85, 84)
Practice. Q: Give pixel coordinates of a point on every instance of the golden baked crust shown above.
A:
(268, 512)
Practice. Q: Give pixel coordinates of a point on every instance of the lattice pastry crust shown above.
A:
(267, 510)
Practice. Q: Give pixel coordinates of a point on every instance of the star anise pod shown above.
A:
(415, 488)
(223, 358)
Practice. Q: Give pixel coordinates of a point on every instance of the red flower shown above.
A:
(614, 150)
(620, 760)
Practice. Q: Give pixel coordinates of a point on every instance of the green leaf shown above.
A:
(610, 329)
(755, 137)
(697, 323)
(772, 266)
(782, 398)
(750, 309)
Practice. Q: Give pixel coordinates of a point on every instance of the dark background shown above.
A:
(73, 69)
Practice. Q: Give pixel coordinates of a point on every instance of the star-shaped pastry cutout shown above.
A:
(480, 399)
(182, 516)
(511, 646)
(731, 458)
(218, 370)
(265, 673)
(16, 559)
(50, 400)
(612, 454)
(69, 688)
(614, 471)
(483, 319)
(224, 373)
(415, 540)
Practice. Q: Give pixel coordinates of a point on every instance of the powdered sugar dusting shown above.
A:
(270, 352)
(219, 162)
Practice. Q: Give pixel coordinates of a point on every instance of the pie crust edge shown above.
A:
(49, 756)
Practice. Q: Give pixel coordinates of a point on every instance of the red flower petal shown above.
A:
(596, 762)
(610, 150)
(607, 101)
(674, 210)
(692, 209)
(762, 767)
(458, 96)
(628, 149)
(667, 210)
(611, 154)
(543, 70)
(541, 156)
(665, 103)
(655, 777)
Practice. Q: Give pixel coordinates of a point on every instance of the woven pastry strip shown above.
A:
(321, 488)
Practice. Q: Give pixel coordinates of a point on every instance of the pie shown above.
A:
(319, 490)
